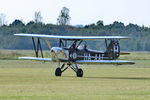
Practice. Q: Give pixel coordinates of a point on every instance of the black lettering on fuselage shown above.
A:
(92, 56)
(89, 55)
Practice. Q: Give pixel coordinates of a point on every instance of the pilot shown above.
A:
(73, 46)
(85, 47)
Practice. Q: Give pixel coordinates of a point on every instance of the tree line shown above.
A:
(139, 34)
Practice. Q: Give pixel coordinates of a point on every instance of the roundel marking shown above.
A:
(74, 55)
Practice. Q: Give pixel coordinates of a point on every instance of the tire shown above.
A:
(79, 73)
(58, 72)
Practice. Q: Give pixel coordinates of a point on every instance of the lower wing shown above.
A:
(118, 62)
(42, 59)
(35, 58)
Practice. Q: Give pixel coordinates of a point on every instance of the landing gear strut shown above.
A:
(74, 67)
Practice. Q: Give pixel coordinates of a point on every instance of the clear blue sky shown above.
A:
(81, 11)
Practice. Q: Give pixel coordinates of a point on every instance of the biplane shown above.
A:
(68, 53)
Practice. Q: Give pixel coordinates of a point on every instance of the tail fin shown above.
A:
(113, 49)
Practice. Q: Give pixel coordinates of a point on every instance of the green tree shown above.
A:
(100, 23)
(64, 18)
(2, 19)
(17, 23)
(38, 17)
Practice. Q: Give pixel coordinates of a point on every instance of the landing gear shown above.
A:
(79, 73)
(74, 67)
(58, 72)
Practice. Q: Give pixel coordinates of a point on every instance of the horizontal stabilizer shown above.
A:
(118, 62)
(124, 53)
(35, 58)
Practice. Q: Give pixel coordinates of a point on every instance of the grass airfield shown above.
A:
(32, 80)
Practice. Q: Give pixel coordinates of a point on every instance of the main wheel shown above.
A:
(79, 72)
(58, 72)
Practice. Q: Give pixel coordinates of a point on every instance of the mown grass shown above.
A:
(31, 80)
(14, 54)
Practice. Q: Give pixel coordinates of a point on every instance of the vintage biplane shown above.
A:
(69, 52)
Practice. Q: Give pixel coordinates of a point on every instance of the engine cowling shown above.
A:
(58, 53)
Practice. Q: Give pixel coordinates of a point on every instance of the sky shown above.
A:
(81, 11)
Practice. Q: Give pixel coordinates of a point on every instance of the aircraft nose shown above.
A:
(55, 51)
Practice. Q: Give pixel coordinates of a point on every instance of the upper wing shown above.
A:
(119, 62)
(72, 37)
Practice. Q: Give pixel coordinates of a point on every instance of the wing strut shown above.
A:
(106, 43)
(37, 47)
(61, 44)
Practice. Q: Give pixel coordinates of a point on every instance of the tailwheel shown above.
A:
(58, 72)
(79, 73)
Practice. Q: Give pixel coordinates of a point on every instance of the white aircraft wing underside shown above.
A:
(71, 37)
(119, 62)
(35, 58)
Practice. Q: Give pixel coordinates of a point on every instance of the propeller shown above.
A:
(48, 43)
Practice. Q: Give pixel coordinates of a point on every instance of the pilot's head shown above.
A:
(85, 46)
